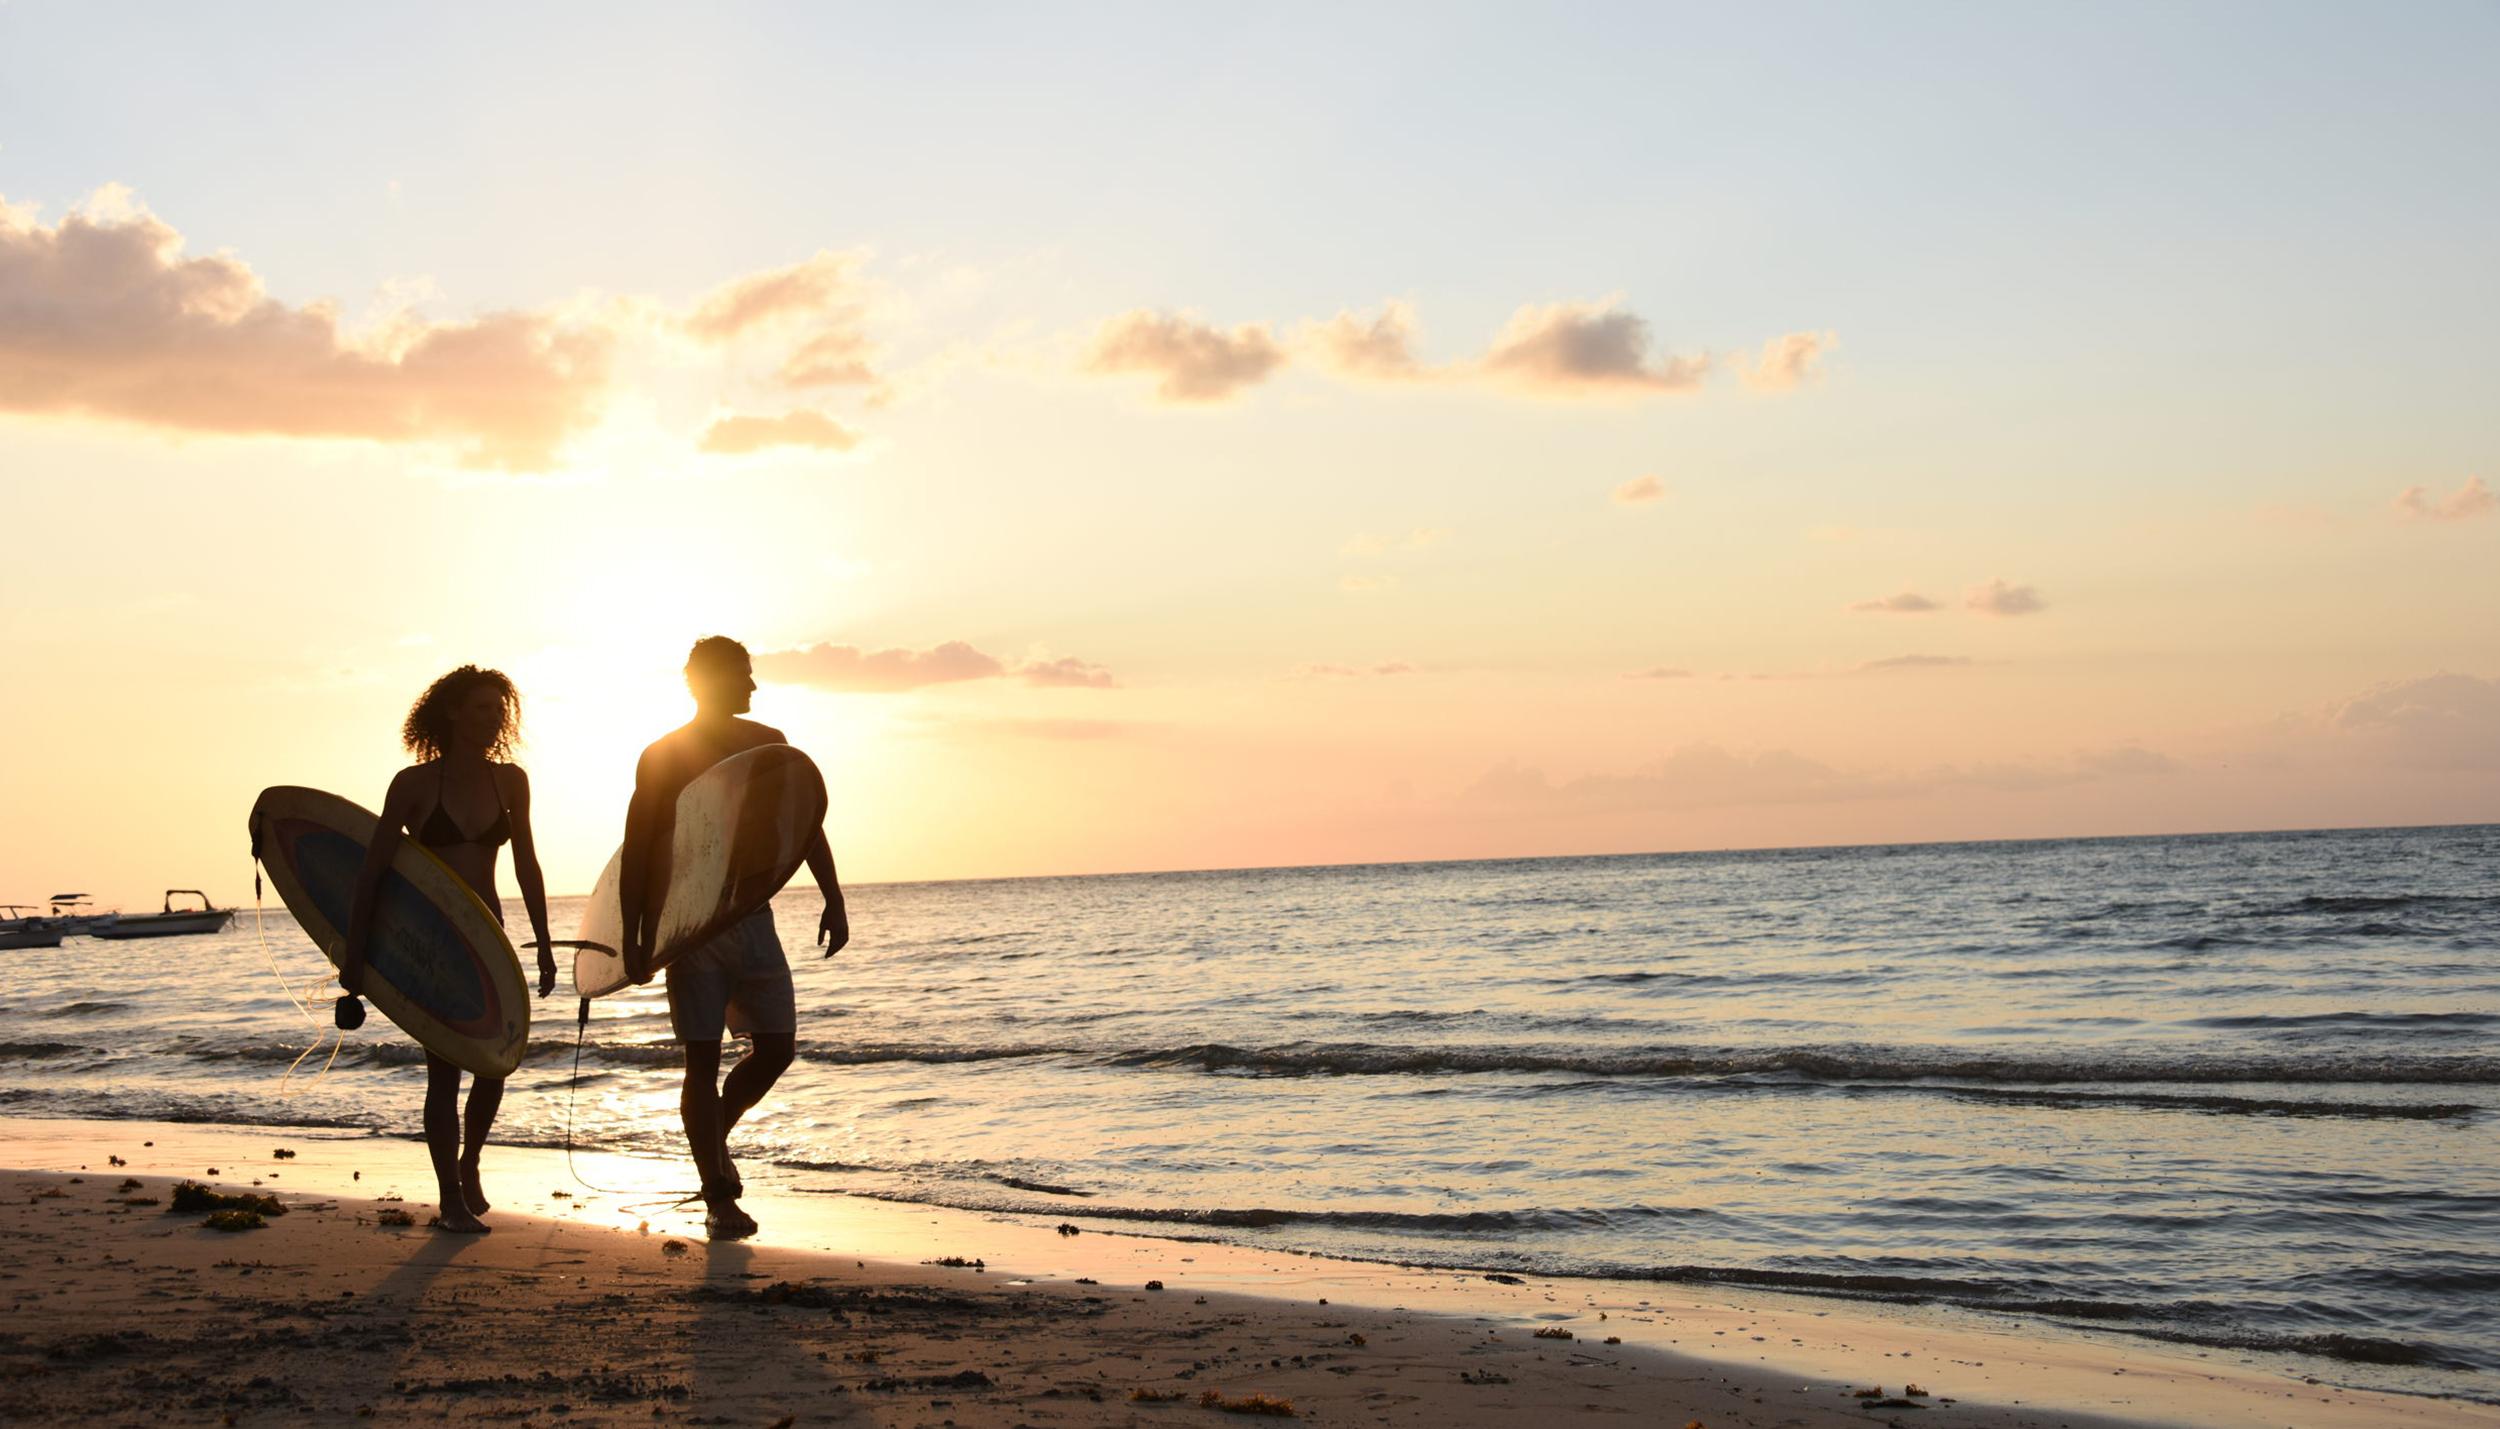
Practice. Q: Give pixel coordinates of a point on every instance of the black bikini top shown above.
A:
(438, 831)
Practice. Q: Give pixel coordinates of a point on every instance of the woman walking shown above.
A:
(463, 801)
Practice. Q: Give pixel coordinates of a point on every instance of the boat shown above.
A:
(74, 914)
(207, 918)
(24, 928)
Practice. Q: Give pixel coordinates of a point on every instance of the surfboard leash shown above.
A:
(260, 932)
(572, 1091)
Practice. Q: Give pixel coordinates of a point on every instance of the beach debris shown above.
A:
(672, 1247)
(1087, 1280)
(1355, 1338)
(282, 1154)
(1555, 1332)
(957, 1262)
(1913, 1391)
(95, 1347)
(561, 1195)
(51, 1193)
(1614, 1339)
(1143, 1395)
(393, 1216)
(1482, 1376)
(960, 1379)
(141, 1201)
(192, 1196)
(1154, 1284)
(1066, 1229)
(130, 1183)
(212, 1170)
(1500, 1279)
(1248, 1404)
(117, 1161)
(234, 1220)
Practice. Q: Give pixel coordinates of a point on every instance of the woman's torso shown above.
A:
(464, 818)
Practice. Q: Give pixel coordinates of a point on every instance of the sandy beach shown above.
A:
(588, 1307)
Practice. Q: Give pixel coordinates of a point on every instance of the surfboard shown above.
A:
(743, 827)
(438, 963)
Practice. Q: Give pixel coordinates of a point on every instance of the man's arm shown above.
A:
(833, 927)
(634, 870)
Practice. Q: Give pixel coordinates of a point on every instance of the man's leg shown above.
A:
(699, 1105)
(766, 1059)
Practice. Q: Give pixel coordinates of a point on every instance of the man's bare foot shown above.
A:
(470, 1191)
(723, 1220)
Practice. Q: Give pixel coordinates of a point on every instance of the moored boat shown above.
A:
(23, 928)
(73, 912)
(207, 918)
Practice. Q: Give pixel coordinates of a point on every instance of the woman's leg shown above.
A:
(442, 1143)
(485, 1097)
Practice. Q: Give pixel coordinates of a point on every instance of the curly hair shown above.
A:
(428, 730)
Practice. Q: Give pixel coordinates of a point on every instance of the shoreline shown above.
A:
(1722, 1355)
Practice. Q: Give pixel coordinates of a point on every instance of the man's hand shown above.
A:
(833, 930)
(546, 968)
(638, 961)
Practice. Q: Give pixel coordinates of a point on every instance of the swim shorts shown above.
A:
(739, 980)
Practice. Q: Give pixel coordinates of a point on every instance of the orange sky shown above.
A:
(1182, 477)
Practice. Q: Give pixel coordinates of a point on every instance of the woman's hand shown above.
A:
(546, 968)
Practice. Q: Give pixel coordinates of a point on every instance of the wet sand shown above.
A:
(590, 1307)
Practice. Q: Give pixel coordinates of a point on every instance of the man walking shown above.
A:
(739, 981)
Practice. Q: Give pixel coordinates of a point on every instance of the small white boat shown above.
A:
(207, 918)
(74, 913)
(23, 928)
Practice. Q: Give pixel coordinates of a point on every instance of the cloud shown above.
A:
(1065, 672)
(1640, 491)
(1908, 602)
(1353, 672)
(101, 316)
(1660, 672)
(1376, 349)
(1998, 598)
(1704, 775)
(824, 283)
(1191, 361)
(836, 357)
(803, 428)
(1915, 662)
(851, 669)
(1586, 349)
(1080, 730)
(1421, 538)
(2443, 720)
(1359, 583)
(1788, 361)
(2466, 502)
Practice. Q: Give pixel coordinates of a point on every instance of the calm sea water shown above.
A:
(2239, 1091)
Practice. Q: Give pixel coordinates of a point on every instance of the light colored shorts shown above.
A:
(739, 980)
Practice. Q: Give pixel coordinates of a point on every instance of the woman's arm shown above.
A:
(525, 872)
(397, 815)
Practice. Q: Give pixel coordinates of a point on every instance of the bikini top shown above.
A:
(438, 830)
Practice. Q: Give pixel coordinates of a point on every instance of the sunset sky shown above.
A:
(1146, 437)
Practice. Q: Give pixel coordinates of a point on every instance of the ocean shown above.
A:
(2240, 1092)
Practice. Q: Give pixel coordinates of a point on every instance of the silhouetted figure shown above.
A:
(462, 803)
(739, 981)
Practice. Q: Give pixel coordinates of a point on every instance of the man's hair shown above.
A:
(714, 651)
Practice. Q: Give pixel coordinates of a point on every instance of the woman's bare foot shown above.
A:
(458, 1221)
(469, 1189)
